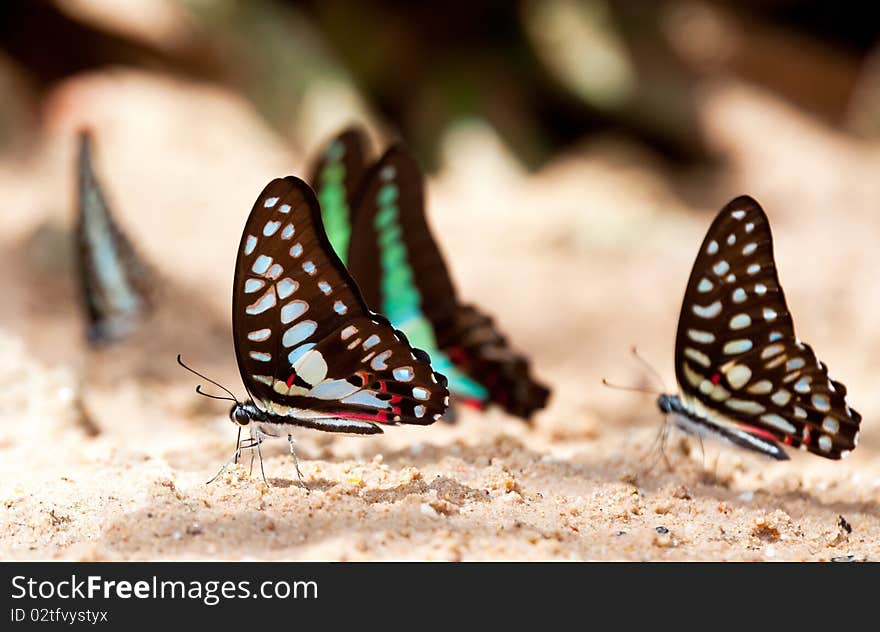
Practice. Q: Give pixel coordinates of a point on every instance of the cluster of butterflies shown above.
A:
(345, 318)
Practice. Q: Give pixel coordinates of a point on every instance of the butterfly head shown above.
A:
(668, 403)
(243, 413)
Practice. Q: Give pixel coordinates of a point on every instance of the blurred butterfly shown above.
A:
(115, 282)
(379, 215)
(310, 352)
(742, 374)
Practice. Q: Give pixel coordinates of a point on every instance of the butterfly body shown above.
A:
(743, 375)
(271, 424)
(702, 424)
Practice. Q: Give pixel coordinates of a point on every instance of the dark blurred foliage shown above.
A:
(423, 66)
(52, 45)
(851, 25)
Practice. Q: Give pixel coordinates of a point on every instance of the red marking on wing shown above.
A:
(758, 431)
(383, 416)
(716, 378)
(291, 379)
(807, 435)
(457, 355)
(473, 402)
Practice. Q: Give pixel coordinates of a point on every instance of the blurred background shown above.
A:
(543, 76)
(577, 151)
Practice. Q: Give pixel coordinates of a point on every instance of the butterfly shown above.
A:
(742, 374)
(309, 350)
(400, 269)
(115, 282)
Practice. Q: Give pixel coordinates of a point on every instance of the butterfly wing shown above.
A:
(336, 176)
(115, 282)
(399, 267)
(308, 348)
(736, 354)
(477, 348)
(394, 250)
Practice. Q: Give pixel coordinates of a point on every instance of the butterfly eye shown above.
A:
(239, 415)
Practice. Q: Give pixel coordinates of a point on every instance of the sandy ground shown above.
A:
(104, 455)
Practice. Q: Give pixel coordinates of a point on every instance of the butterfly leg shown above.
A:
(235, 456)
(257, 442)
(223, 469)
(665, 437)
(262, 471)
(296, 462)
(254, 442)
(702, 452)
(237, 453)
(250, 446)
(656, 447)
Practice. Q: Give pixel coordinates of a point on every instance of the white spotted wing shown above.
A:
(308, 348)
(736, 354)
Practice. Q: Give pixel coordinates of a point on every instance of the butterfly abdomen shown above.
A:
(705, 424)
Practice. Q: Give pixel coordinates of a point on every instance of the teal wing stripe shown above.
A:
(401, 300)
(331, 195)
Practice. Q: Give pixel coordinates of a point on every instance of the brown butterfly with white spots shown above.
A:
(309, 350)
(743, 375)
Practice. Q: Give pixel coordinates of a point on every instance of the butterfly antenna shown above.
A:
(637, 389)
(204, 394)
(217, 384)
(650, 368)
